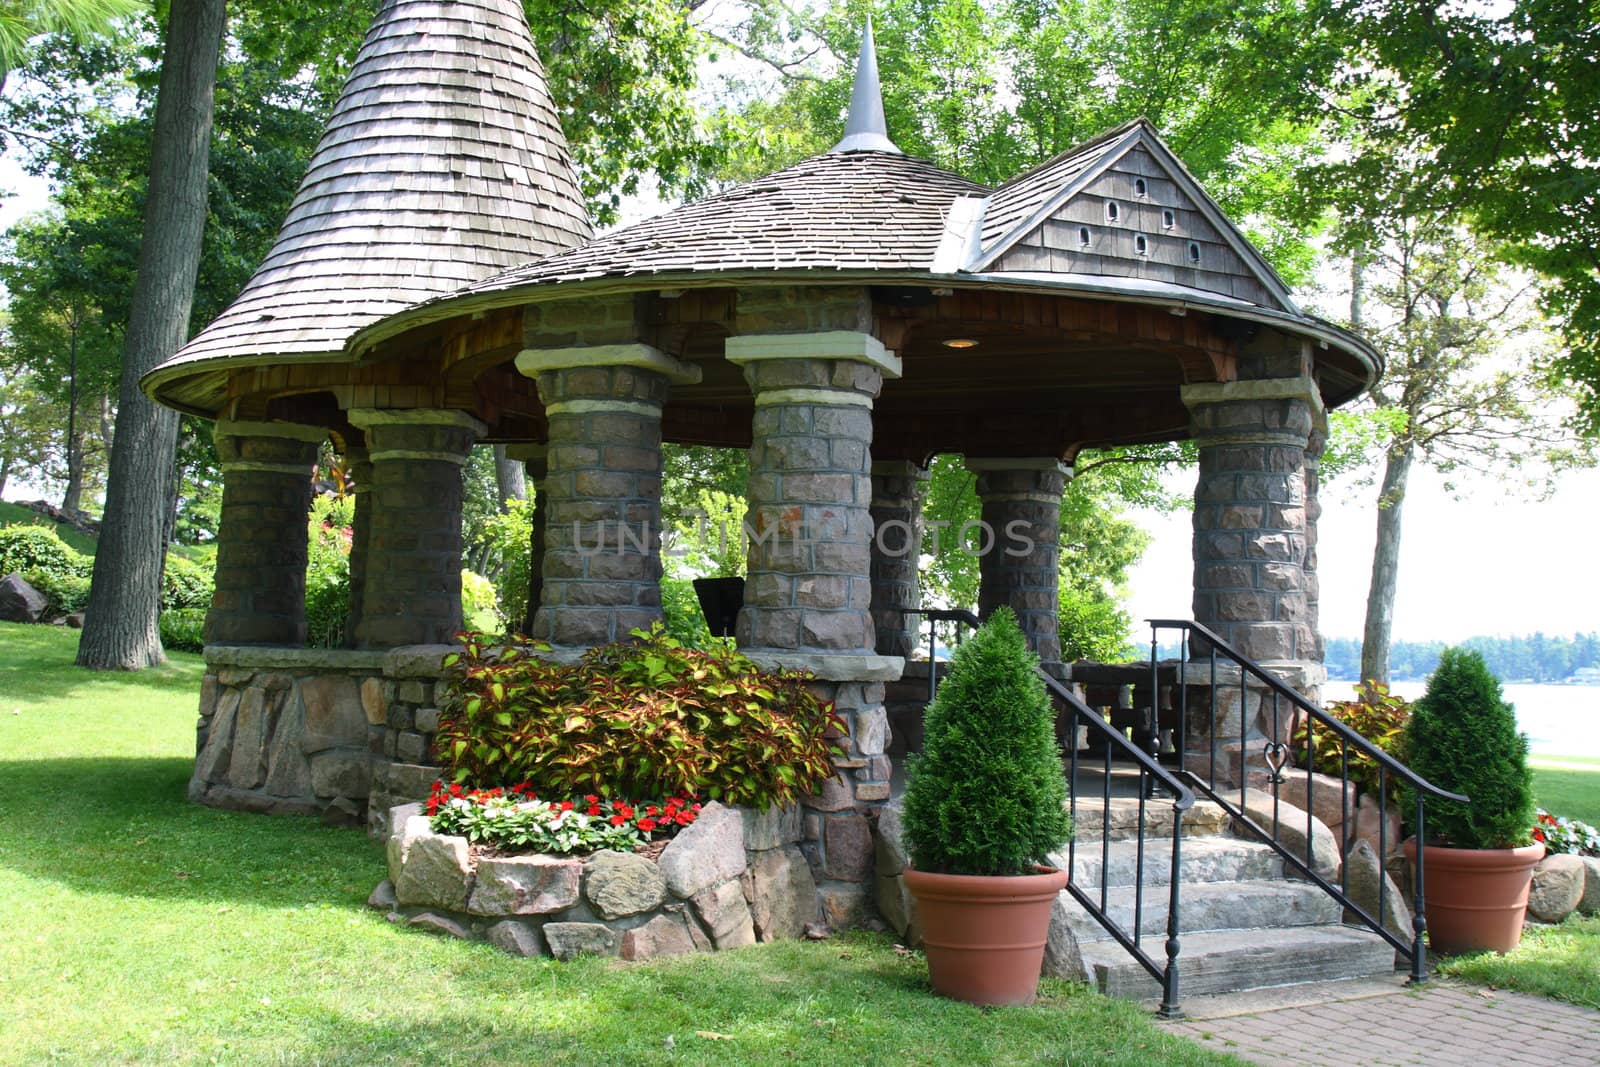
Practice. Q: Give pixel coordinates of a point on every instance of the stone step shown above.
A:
(1226, 961)
(1122, 817)
(1206, 906)
(1203, 859)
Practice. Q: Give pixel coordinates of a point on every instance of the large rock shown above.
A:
(440, 924)
(436, 871)
(847, 847)
(1326, 794)
(781, 892)
(212, 763)
(342, 772)
(623, 883)
(525, 885)
(1363, 873)
(288, 773)
(1590, 904)
(726, 914)
(1062, 956)
(1323, 854)
(664, 935)
(888, 841)
(569, 940)
(251, 729)
(898, 908)
(516, 936)
(1380, 827)
(1557, 888)
(333, 713)
(772, 828)
(708, 851)
(19, 601)
(845, 905)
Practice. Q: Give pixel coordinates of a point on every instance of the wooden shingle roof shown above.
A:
(833, 212)
(443, 164)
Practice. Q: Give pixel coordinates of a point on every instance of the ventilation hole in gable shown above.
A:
(1140, 189)
(1083, 236)
(1168, 219)
(1194, 251)
(1113, 211)
(1141, 245)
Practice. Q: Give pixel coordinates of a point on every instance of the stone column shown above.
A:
(898, 487)
(260, 594)
(412, 591)
(1315, 445)
(1250, 520)
(602, 563)
(535, 462)
(359, 465)
(808, 594)
(1020, 545)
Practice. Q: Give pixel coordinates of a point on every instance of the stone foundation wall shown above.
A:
(733, 878)
(317, 731)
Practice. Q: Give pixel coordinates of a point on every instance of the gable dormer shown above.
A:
(1124, 207)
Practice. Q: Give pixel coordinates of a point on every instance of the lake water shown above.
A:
(1560, 720)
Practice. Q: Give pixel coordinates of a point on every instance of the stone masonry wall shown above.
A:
(733, 878)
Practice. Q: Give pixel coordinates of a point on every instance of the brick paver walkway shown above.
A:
(1441, 1025)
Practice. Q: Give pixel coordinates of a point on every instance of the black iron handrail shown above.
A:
(1276, 754)
(1152, 775)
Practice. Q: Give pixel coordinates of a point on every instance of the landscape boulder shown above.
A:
(1322, 856)
(1557, 888)
(1364, 876)
(1590, 904)
(20, 601)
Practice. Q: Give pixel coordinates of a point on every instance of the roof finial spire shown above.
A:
(865, 130)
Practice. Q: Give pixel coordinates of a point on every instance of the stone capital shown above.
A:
(830, 666)
(531, 362)
(1254, 389)
(291, 431)
(368, 418)
(980, 465)
(851, 345)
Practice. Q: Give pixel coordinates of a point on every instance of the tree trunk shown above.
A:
(510, 477)
(72, 498)
(1385, 564)
(120, 628)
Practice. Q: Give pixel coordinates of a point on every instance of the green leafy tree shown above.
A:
(986, 796)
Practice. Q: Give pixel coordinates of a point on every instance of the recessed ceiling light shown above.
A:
(961, 342)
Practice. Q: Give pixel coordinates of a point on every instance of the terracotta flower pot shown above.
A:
(1476, 898)
(984, 937)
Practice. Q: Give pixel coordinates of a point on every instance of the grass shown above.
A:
(1568, 785)
(1555, 961)
(143, 928)
(17, 515)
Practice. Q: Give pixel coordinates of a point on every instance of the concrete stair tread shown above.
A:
(1222, 961)
(1208, 906)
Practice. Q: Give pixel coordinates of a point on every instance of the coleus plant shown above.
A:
(646, 717)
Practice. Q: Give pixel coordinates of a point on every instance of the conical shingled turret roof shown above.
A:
(443, 164)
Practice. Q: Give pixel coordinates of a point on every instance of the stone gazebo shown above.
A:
(436, 286)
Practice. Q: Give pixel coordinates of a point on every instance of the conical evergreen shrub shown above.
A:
(987, 795)
(1463, 737)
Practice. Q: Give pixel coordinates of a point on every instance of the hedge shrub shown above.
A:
(183, 629)
(66, 593)
(648, 718)
(987, 796)
(40, 548)
(1463, 737)
(185, 585)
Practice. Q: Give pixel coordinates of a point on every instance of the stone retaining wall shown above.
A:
(316, 731)
(733, 878)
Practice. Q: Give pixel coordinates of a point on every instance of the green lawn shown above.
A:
(142, 928)
(15, 514)
(1568, 785)
(1555, 961)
